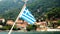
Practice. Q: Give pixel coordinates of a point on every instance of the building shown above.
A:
(2, 20)
(19, 21)
(41, 26)
(58, 27)
(19, 24)
(41, 23)
(9, 22)
(1, 26)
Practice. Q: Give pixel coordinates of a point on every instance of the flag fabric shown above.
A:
(27, 16)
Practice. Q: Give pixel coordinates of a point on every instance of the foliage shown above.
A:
(58, 22)
(11, 14)
(31, 27)
(10, 9)
(8, 27)
(54, 13)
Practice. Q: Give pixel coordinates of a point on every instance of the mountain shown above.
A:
(40, 7)
(11, 8)
(9, 4)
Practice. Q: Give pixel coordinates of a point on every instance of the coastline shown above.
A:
(29, 31)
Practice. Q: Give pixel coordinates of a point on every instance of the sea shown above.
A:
(45, 32)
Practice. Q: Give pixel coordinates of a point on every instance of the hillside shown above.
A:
(9, 9)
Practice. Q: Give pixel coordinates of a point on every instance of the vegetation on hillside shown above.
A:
(54, 13)
(10, 9)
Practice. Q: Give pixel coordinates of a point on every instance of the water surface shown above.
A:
(45, 32)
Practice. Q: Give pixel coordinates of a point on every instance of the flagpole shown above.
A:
(17, 18)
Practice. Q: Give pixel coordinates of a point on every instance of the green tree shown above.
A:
(54, 13)
(8, 27)
(58, 22)
(31, 27)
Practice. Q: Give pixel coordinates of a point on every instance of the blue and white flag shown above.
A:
(27, 16)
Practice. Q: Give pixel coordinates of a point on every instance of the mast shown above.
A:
(17, 18)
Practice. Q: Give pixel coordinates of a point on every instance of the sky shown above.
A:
(0, 0)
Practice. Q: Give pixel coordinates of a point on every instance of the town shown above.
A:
(21, 25)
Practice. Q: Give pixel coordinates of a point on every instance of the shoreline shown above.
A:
(29, 31)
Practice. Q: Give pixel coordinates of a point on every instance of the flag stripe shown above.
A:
(29, 17)
(26, 19)
(28, 13)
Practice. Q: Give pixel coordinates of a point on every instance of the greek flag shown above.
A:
(27, 16)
